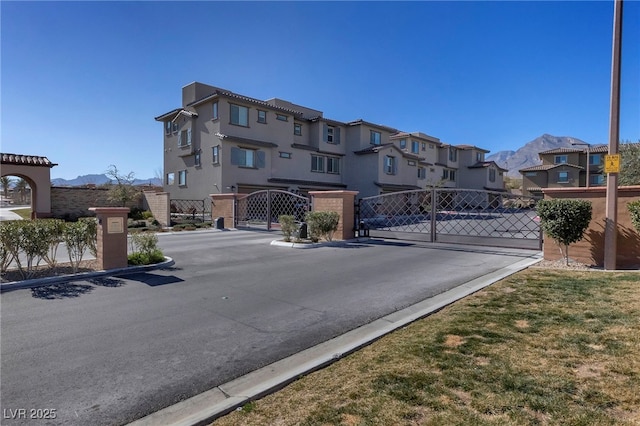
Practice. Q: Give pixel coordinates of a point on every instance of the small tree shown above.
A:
(79, 236)
(634, 211)
(630, 167)
(565, 221)
(122, 191)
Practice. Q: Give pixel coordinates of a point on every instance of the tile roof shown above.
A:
(314, 149)
(307, 182)
(25, 160)
(232, 95)
(379, 126)
(549, 167)
(246, 141)
(561, 151)
(395, 186)
(376, 148)
(481, 164)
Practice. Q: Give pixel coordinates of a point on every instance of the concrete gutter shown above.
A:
(42, 282)
(205, 407)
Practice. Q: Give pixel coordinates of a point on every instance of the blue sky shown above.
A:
(82, 81)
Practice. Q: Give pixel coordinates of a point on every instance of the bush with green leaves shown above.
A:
(288, 226)
(144, 247)
(80, 236)
(322, 225)
(634, 211)
(55, 234)
(10, 241)
(564, 220)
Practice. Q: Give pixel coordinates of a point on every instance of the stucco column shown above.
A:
(112, 236)
(341, 202)
(223, 205)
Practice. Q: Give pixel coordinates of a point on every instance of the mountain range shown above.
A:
(527, 155)
(100, 180)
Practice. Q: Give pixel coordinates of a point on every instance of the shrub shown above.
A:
(634, 211)
(9, 244)
(146, 215)
(288, 226)
(565, 221)
(55, 234)
(322, 224)
(144, 247)
(80, 236)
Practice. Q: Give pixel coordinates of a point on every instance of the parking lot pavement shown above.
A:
(115, 349)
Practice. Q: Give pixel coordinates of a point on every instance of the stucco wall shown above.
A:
(591, 249)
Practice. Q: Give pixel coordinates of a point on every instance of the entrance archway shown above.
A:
(36, 171)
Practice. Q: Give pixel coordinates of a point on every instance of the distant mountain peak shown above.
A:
(527, 155)
(99, 179)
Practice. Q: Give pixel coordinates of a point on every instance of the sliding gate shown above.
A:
(465, 216)
(261, 209)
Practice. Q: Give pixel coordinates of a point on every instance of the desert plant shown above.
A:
(55, 234)
(288, 226)
(9, 244)
(79, 236)
(322, 224)
(634, 211)
(144, 247)
(565, 221)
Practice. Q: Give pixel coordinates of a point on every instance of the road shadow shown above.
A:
(107, 282)
(61, 291)
(153, 280)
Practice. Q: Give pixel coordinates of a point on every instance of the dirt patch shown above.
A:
(43, 271)
(589, 370)
(453, 341)
(522, 324)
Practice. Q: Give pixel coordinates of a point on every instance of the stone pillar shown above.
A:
(159, 205)
(341, 202)
(112, 236)
(223, 205)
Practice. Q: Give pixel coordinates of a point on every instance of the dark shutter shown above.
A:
(237, 156)
(260, 159)
(324, 132)
(336, 135)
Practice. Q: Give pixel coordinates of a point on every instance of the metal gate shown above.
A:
(261, 209)
(189, 211)
(465, 216)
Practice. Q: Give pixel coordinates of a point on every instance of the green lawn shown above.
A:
(23, 213)
(542, 347)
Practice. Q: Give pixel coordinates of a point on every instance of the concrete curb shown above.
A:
(340, 243)
(209, 405)
(41, 282)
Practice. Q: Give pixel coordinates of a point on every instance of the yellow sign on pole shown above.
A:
(612, 163)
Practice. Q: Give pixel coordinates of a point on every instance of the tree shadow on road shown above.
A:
(61, 291)
(107, 282)
(153, 280)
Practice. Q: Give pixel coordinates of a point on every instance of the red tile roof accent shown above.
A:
(25, 160)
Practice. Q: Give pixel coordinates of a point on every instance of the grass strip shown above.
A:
(541, 347)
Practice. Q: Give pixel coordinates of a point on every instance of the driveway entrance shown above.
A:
(261, 209)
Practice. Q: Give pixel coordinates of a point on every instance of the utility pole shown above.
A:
(611, 210)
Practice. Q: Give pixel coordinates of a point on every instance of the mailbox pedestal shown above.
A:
(112, 236)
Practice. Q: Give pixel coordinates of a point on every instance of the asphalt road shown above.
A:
(111, 350)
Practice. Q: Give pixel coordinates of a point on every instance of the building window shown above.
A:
(390, 165)
(282, 117)
(174, 127)
(297, 129)
(375, 138)
(184, 139)
(285, 154)
(262, 116)
(333, 165)
(239, 115)
(170, 178)
(182, 177)
(449, 175)
(214, 111)
(479, 156)
(595, 160)
(317, 163)
(167, 128)
(563, 177)
(424, 146)
(492, 175)
(403, 143)
(415, 147)
(196, 159)
(216, 154)
(560, 159)
(596, 179)
(330, 132)
(243, 157)
(422, 173)
(453, 153)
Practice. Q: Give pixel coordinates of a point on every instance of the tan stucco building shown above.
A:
(219, 141)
